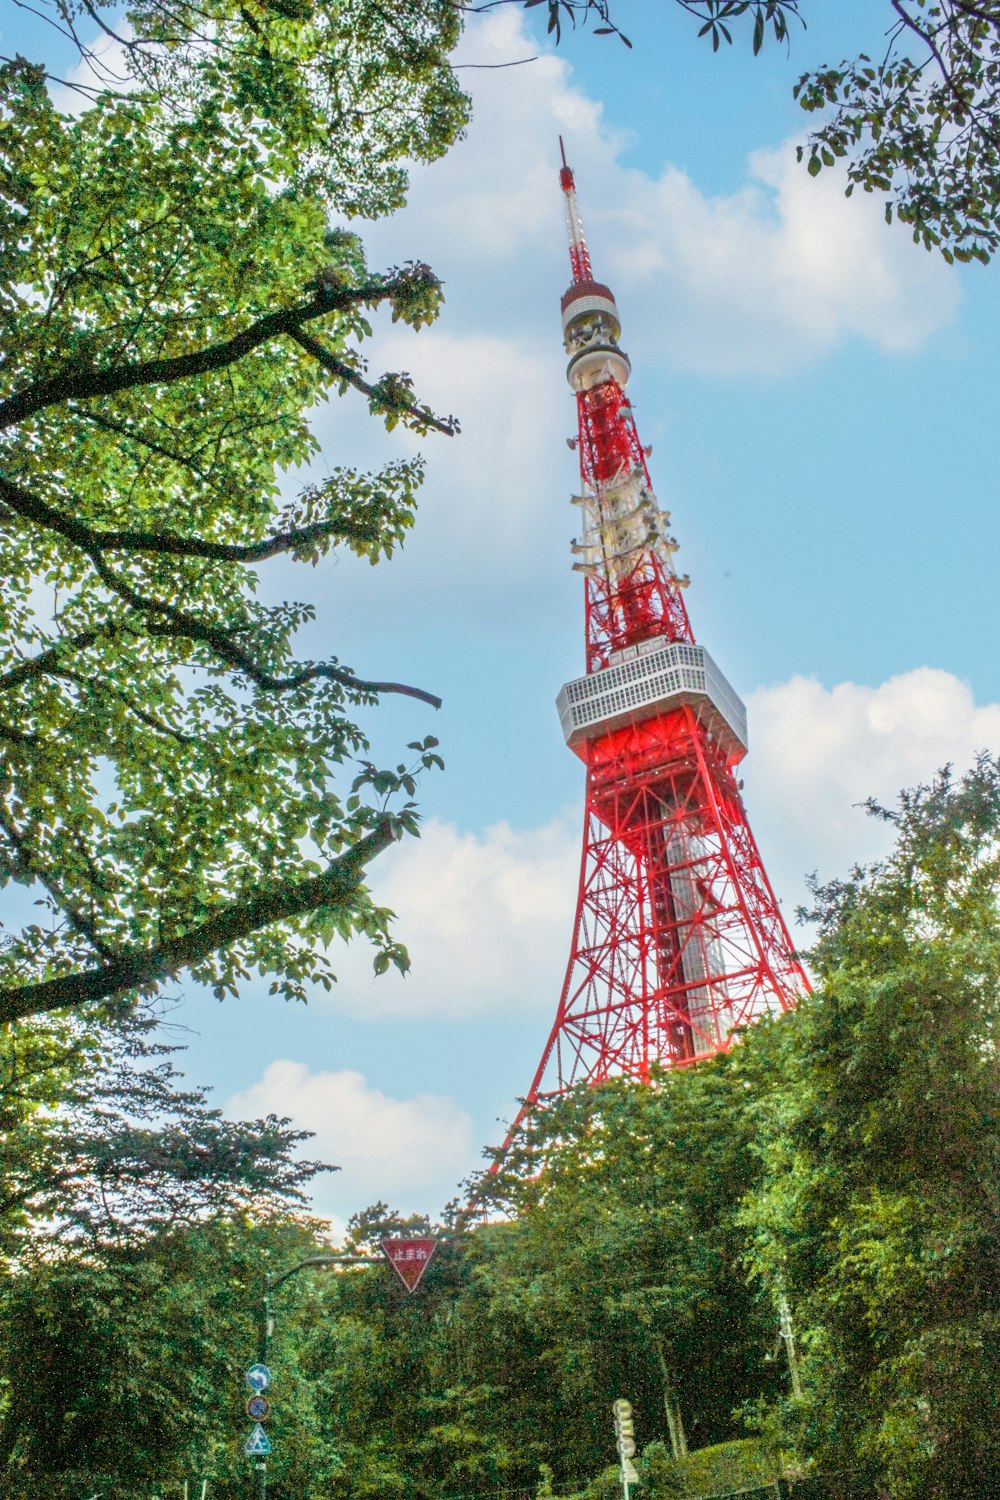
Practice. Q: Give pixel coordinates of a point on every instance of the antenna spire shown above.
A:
(579, 255)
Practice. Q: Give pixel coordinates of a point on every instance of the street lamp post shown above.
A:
(270, 1286)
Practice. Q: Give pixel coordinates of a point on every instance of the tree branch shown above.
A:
(344, 371)
(84, 385)
(48, 660)
(33, 866)
(165, 543)
(142, 714)
(945, 67)
(241, 918)
(177, 622)
(141, 440)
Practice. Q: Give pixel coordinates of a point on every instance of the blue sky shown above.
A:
(820, 397)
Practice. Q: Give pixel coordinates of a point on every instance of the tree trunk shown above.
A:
(671, 1406)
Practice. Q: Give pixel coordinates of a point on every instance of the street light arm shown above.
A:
(272, 1282)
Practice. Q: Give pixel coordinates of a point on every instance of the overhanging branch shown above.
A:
(240, 919)
(164, 543)
(86, 384)
(422, 415)
(174, 621)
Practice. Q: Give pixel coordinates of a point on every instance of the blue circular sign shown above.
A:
(258, 1378)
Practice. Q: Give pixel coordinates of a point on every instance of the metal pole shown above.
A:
(270, 1284)
(265, 1337)
(788, 1338)
(266, 1322)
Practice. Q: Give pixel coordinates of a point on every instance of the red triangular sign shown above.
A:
(410, 1259)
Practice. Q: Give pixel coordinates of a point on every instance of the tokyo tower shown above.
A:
(678, 939)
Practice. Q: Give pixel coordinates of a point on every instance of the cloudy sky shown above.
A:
(819, 394)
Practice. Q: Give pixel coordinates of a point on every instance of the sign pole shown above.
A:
(258, 1377)
(265, 1330)
(409, 1258)
(621, 1410)
(788, 1338)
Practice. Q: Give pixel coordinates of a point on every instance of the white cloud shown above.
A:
(773, 276)
(496, 195)
(404, 1151)
(486, 918)
(816, 753)
(492, 481)
(764, 279)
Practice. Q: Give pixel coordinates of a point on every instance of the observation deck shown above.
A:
(642, 681)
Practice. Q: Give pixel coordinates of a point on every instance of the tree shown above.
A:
(924, 129)
(123, 1368)
(410, 1406)
(717, 17)
(102, 1145)
(876, 1112)
(623, 1263)
(175, 302)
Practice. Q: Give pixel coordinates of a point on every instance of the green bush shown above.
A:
(660, 1474)
(604, 1486)
(728, 1466)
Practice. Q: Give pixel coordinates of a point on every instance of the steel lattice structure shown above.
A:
(678, 939)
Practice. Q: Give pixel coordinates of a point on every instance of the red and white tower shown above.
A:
(678, 938)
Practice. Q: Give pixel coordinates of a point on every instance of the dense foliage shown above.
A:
(624, 1256)
(841, 1162)
(127, 1363)
(878, 1120)
(173, 788)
